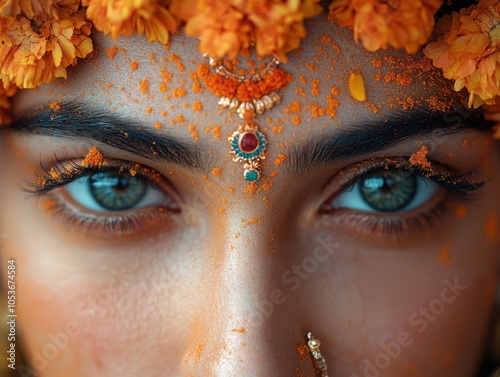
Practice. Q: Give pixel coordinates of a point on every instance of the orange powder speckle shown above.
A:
(112, 51)
(180, 119)
(241, 330)
(197, 106)
(217, 171)
(280, 159)
(230, 189)
(41, 182)
(134, 65)
(300, 92)
(296, 120)
(437, 104)
(277, 130)
(444, 257)
(179, 92)
(460, 211)
(266, 186)
(166, 75)
(133, 172)
(158, 125)
(294, 107)
(49, 204)
(303, 79)
(163, 87)
(420, 158)
(377, 63)
(401, 79)
(274, 173)
(316, 110)
(55, 106)
(315, 87)
(197, 351)
(255, 220)
(93, 158)
(144, 86)
(331, 108)
(325, 38)
(163, 113)
(252, 188)
(217, 132)
(266, 200)
(177, 59)
(372, 107)
(491, 229)
(149, 110)
(311, 66)
(192, 129)
(197, 87)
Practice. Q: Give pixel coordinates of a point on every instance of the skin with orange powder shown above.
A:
(209, 275)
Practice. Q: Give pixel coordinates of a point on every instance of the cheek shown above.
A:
(432, 326)
(94, 325)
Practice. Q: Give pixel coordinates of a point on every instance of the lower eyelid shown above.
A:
(128, 223)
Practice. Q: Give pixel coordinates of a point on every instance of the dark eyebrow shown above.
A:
(75, 120)
(368, 137)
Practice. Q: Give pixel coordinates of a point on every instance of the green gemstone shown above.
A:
(251, 175)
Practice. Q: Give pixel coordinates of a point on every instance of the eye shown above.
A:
(107, 201)
(388, 197)
(387, 191)
(114, 191)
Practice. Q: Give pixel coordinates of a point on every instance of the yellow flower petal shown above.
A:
(357, 86)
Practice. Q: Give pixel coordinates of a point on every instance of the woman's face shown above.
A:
(188, 270)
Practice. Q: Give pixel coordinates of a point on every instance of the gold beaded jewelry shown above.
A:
(249, 93)
(318, 358)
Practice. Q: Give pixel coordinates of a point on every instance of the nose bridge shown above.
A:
(247, 326)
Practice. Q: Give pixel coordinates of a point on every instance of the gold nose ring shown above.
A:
(318, 358)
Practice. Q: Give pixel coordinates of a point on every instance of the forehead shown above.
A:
(158, 86)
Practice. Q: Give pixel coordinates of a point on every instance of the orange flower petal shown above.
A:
(31, 57)
(274, 26)
(380, 24)
(123, 17)
(467, 49)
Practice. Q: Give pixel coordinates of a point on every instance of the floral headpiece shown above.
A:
(41, 38)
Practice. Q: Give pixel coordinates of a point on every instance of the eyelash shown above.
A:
(462, 187)
(62, 173)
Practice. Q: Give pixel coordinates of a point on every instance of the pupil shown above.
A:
(116, 191)
(388, 191)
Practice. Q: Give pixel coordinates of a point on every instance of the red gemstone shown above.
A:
(249, 142)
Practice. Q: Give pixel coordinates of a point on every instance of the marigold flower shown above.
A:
(379, 24)
(5, 117)
(226, 27)
(467, 49)
(30, 8)
(34, 52)
(123, 17)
